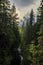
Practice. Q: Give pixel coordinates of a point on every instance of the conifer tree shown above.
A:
(4, 37)
(29, 28)
(27, 38)
(40, 32)
(9, 34)
(15, 39)
(31, 17)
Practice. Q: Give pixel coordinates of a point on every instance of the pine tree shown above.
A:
(29, 28)
(40, 32)
(31, 17)
(27, 38)
(4, 37)
(4, 14)
(15, 39)
(40, 13)
(9, 34)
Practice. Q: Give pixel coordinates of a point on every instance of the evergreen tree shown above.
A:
(4, 37)
(4, 9)
(9, 35)
(15, 39)
(31, 18)
(27, 38)
(40, 14)
(40, 32)
(29, 29)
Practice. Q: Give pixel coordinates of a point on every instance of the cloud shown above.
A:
(27, 2)
(24, 3)
(24, 6)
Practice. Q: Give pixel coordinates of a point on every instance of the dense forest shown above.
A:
(20, 45)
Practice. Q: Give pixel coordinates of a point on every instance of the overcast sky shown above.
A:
(24, 6)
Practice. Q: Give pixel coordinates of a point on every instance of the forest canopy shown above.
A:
(20, 45)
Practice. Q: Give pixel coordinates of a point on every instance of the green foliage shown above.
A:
(9, 34)
(40, 32)
(30, 43)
